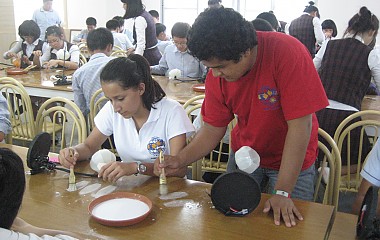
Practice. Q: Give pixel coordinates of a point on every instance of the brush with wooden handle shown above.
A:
(162, 175)
(72, 185)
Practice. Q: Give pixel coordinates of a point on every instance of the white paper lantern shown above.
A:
(100, 158)
(247, 159)
(63, 54)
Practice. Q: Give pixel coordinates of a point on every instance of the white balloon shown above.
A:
(174, 74)
(62, 54)
(103, 156)
(247, 159)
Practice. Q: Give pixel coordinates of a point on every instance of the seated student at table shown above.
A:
(29, 33)
(255, 76)
(5, 124)
(346, 76)
(177, 56)
(86, 80)
(162, 38)
(82, 36)
(56, 39)
(123, 30)
(121, 40)
(139, 116)
(371, 177)
(12, 186)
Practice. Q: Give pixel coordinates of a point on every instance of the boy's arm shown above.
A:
(296, 142)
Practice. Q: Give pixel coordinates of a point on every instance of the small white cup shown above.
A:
(100, 158)
(247, 159)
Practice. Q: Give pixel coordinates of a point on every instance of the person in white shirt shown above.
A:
(12, 186)
(162, 38)
(121, 40)
(371, 177)
(46, 17)
(177, 56)
(56, 40)
(139, 116)
(82, 36)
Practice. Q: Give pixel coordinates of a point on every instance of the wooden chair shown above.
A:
(20, 109)
(73, 122)
(119, 53)
(82, 60)
(361, 121)
(331, 158)
(96, 103)
(12, 44)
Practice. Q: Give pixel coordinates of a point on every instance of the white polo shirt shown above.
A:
(168, 120)
(371, 170)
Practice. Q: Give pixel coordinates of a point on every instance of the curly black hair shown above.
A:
(221, 33)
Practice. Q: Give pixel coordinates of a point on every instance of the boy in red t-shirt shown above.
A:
(268, 82)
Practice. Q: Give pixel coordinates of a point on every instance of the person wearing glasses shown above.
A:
(29, 33)
(177, 56)
(56, 40)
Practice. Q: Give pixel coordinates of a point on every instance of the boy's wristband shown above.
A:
(281, 193)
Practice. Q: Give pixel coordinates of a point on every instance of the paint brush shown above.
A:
(162, 175)
(72, 185)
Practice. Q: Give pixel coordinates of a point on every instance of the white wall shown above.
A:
(341, 11)
(103, 11)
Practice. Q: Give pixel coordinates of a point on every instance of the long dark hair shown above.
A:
(129, 73)
(134, 8)
(362, 22)
(12, 186)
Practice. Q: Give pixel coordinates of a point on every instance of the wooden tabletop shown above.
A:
(48, 204)
(371, 102)
(39, 83)
(344, 227)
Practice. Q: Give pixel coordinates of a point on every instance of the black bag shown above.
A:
(368, 225)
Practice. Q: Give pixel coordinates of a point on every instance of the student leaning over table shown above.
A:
(371, 177)
(56, 40)
(268, 81)
(12, 186)
(142, 120)
(5, 123)
(29, 33)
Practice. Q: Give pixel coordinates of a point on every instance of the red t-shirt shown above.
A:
(282, 85)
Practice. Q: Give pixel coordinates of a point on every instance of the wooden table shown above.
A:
(371, 102)
(38, 83)
(48, 204)
(344, 227)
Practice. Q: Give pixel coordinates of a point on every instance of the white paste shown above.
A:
(173, 195)
(90, 188)
(104, 191)
(82, 184)
(179, 203)
(120, 209)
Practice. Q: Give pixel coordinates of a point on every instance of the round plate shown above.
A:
(15, 71)
(199, 87)
(120, 209)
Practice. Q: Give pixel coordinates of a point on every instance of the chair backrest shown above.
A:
(119, 53)
(116, 48)
(72, 125)
(96, 103)
(82, 60)
(331, 167)
(354, 137)
(20, 109)
(12, 44)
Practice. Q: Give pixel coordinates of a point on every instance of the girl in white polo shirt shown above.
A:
(142, 120)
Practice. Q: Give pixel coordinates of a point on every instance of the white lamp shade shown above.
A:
(103, 156)
(62, 54)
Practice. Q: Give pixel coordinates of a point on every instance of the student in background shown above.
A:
(12, 187)
(162, 38)
(56, 40)
(121, 20)
(329, 29)
(271, 18)
(86, 80)
(121, 40)
(215, 3)
(345, 67)
(371, 177)
(5, 123)
(82, 36)
(139, 116)
(177, 56)
(46, 17)
(262, 25)
(29, 33)
(141, 24)
(155, 15)
(307, 28)
(253, 76)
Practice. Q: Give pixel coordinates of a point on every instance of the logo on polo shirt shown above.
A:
(154, 146)
(269, 97)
